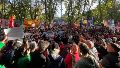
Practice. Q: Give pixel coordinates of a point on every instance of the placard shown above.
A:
(14, 33)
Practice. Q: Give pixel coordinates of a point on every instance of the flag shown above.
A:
(11, 23)
(90, 22)
(31, 23)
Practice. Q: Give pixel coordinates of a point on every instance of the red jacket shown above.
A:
(68, 60)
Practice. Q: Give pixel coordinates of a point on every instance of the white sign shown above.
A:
(14, 33)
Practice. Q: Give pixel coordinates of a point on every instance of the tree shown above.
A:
(3, 11)
(50, 10)
(107, 9)
(77, 9)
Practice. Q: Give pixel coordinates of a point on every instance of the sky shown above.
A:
(58, 13)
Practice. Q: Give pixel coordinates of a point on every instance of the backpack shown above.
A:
(54, 63)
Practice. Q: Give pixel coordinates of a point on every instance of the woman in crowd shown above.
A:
(75, 51)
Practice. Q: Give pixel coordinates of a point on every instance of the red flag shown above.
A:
(11, 23)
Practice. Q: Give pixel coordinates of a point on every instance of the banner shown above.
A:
(14, 33)
(31, 23)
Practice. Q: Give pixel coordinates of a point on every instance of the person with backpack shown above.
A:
(87, 60)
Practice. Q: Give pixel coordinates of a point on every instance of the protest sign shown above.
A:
(85, 22)
(14, 33)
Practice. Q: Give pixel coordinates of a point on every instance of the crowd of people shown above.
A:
(62, 47)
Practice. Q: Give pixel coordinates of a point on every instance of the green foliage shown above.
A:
(107, 10)
(50, 9)
(25, 9)
(45, 10)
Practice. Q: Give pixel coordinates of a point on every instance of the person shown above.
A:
(62, 47)
(22, 58)
(111, 59)
(75, 54)
(33, 46)
(92, 49)
(8, 53)
(101, 48)
(54, 59)
(24, 61)
(87, 60)
(38, 59)
(17, 53)
(2, 45)
(68, 58)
